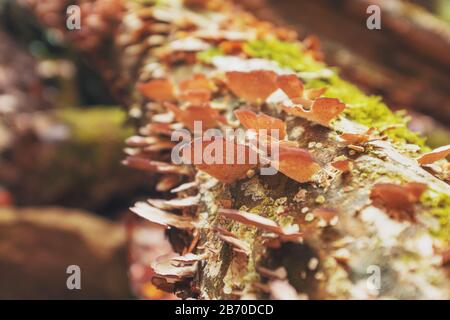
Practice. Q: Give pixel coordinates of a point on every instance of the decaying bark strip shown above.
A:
(184, 54)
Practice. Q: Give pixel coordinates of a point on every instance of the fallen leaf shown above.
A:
(235, 242)
(342, 165)
(207, 116)
(159, 90)
(176, 203)
(197, 90)
(184, 187)
(313, 94)
(251, 120)
(322, 110)
(398, 200)
(167, 182)
(296, 163)
(189, 258)
(254, 86)
(164, 267)
(327, 214)
(356, 138)
(291, 85)
(161, 217)
(225, 169)
(154, 166)
(258, 221)
(435, 155)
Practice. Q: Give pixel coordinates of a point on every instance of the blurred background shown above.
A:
(64, 195)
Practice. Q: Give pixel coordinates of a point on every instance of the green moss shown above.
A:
(287, 54)
(367, 110)
(92, 124)
(206, 56)
(438, 205)
(443, 9)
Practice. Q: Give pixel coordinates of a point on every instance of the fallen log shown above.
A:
(335, 233)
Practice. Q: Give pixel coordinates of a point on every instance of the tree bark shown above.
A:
(338, 256)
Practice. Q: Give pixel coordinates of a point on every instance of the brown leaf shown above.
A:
(184, 187)
(254, 86)
(189, 258)
(296, 163)
(223, 171)
(356, 138)
(251, 120)
(398, 200)
(323, 111)
(327, 214)
(342, 165)
(435, 155)
(164, 267)
(197, 90)
(158, 128)
(252, 220)
(291, 85)
(175, 203)
(167, 182)
(208, 116)
(235, 242)
(159, 90)
(313, 94)
(259, 222)
(161, 217)
(154, 166)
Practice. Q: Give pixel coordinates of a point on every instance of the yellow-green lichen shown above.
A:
(287, 54)
(369, 110)
(438, 206)
(206, 56)
(269, 209)
(366, 110)
(92, 124)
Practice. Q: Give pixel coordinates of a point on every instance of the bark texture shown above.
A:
(171, 41)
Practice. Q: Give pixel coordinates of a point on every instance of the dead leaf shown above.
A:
(257, 122)
(323, 110)
(161, 217)
(398, 200)
(159, 90)
(296, 163)
(207, 116)
(254, 86)
(435, 155)
(224, 169)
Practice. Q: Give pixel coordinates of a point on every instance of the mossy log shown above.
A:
(348, 234)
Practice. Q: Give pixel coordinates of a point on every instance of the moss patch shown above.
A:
(369, 110)
(287, 54)
(207, 55)
(366, 110)
(96, 123)
(438, 205)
